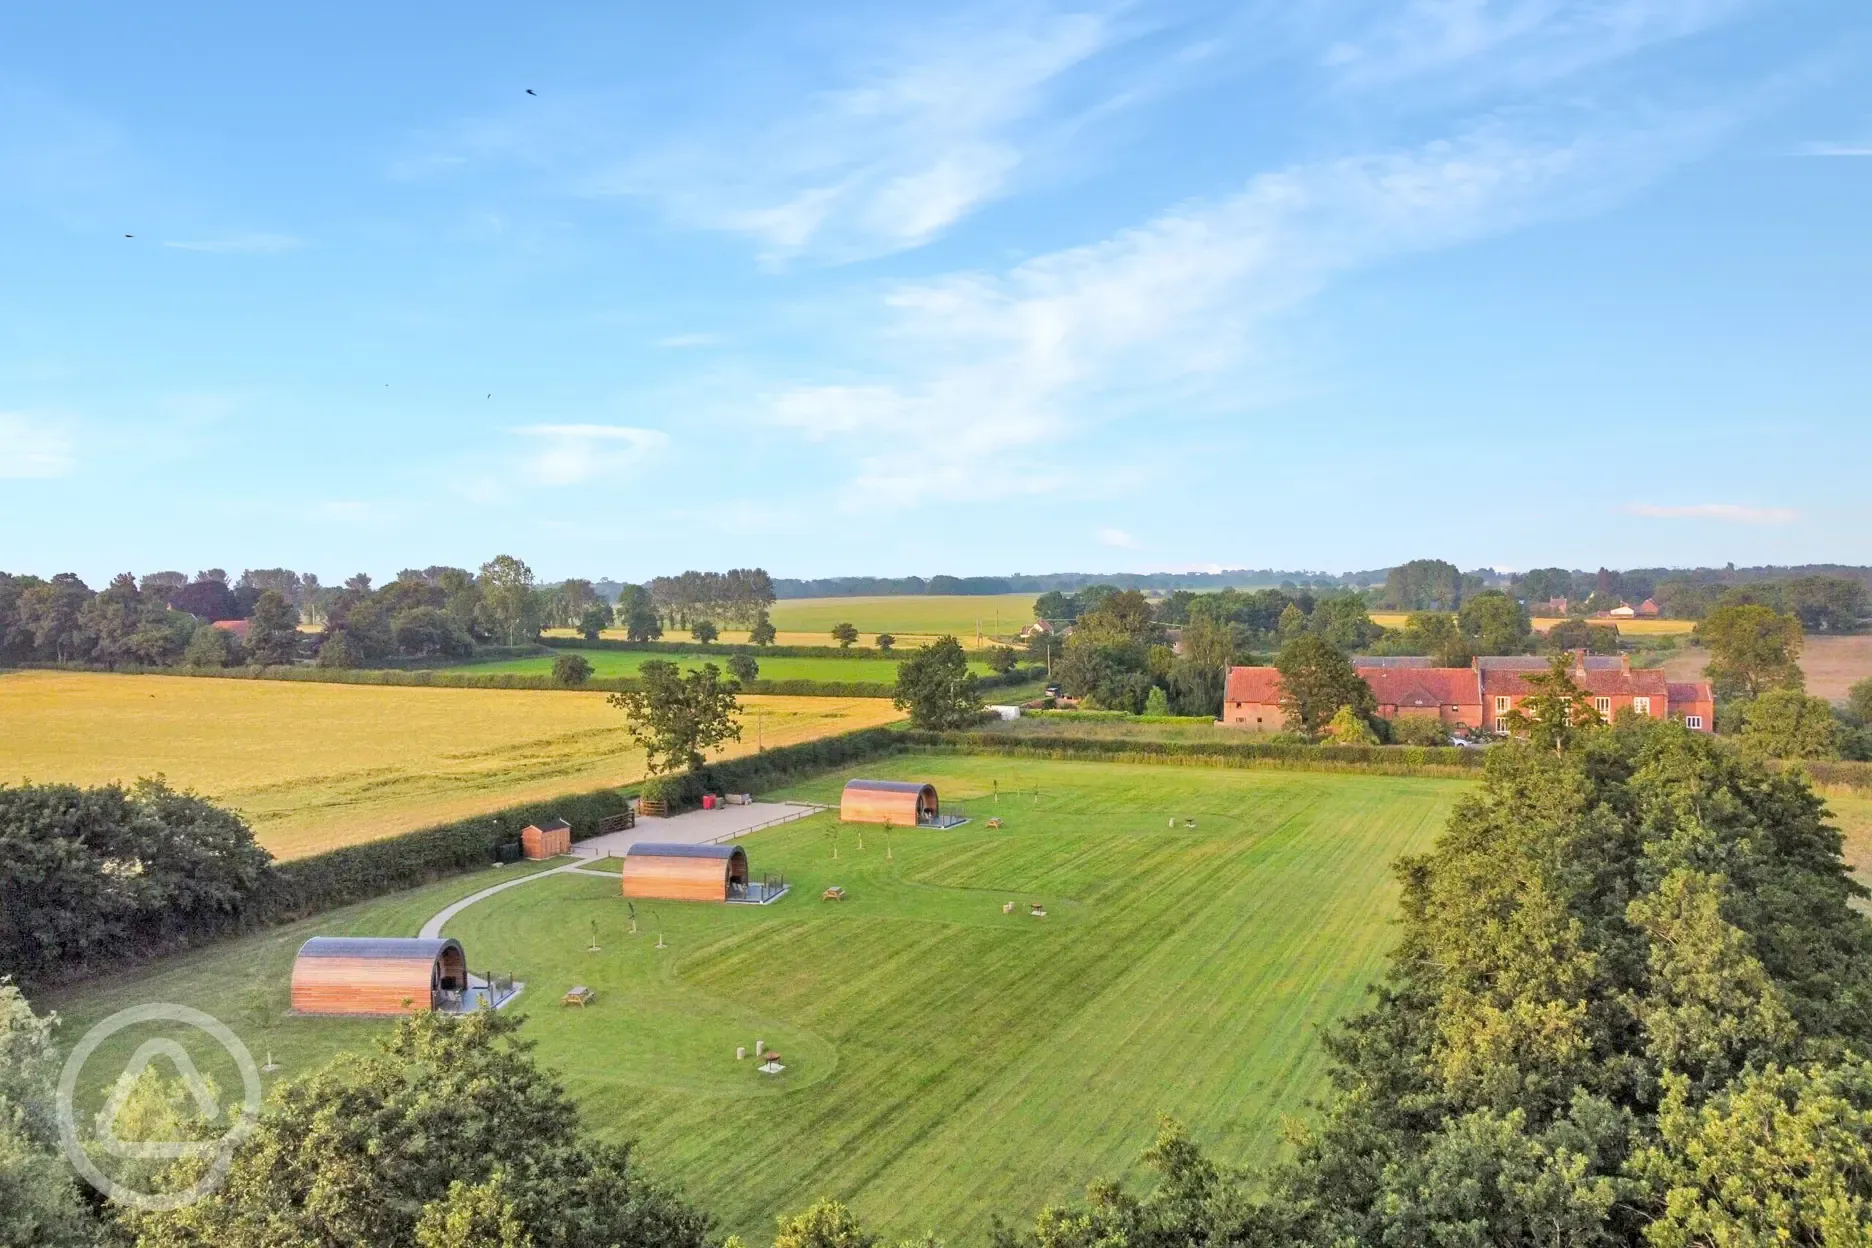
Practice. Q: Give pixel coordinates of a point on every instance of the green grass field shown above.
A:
(627, 663)
(313, 766)
(946, 1061)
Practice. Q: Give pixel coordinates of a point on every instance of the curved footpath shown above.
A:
(695, 828)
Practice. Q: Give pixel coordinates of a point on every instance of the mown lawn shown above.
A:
(313, 766)
(628, 662)
(946, 1060)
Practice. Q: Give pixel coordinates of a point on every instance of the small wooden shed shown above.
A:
(656, 870)
(546, 840)
(904, 803)
(376, 975)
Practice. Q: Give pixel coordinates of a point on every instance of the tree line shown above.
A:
(166, 619)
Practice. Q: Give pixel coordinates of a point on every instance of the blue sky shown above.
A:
(910, 289)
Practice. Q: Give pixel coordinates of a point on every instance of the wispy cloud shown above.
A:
(241, 244)
(33, 446)
(1521, 42)
(911, 147)
(1734, 513)
(1835, 149)
(984, 363)
(1118, 539)
(570, 454)
(680, 342)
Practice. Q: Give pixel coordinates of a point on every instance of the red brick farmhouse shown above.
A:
(1482, 694)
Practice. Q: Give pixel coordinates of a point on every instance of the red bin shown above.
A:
(708, 801)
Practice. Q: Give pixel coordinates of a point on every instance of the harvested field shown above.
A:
(313, 766)
(1832, 664)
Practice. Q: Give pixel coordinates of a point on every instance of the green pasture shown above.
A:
(628, 662)
(946, 1060)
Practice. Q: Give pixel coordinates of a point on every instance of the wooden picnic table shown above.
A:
(580, 996)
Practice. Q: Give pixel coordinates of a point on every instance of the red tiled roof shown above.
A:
(1691, 691)
(1253, 684)
(237, 627)
(1423, 686)
(1640, 682)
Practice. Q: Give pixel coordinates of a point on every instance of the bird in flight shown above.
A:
(129, 236)
(532, 92)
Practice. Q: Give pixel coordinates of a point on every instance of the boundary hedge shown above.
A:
(1389, 760)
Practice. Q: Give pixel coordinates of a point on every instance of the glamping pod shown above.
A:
(376, 975)
(685, 872)
(904, 803)
(546, 840)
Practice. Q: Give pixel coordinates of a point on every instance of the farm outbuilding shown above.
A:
(659, 871)
(546, 840)
(904, 803)
(377, 975)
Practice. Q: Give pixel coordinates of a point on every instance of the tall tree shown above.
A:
(1786, 723)
(594, 620)
(935, 685)
(273, 629)
(507, 593)
(1316, 679)
(112, 618)
(676, 717)
(762, 631)
(1437, 634)
(1423, 585)
(1344, 622)
(54, 612)
(1494, 623)
(845, 634)
(39, 1205)
(1752, 649)
(447, 1134)
(1558, 711)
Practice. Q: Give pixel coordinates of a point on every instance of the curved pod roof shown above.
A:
(375, 974)
(659, 871)
(905, 803)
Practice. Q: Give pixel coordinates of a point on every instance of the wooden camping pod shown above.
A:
(375, 975)
(546, 840)
(905, 803)
(684, 872)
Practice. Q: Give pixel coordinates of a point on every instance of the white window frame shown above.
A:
(1641, 706)
(1501, 704)
(1602, 705)
(1693, 721)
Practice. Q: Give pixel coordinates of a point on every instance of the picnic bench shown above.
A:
(835, 893)
(580, 996)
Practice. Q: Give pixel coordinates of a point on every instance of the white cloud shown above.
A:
(242, 244)
(1836, 149)
(921, 141)
(1472, 44)
(1118, 538)
(984, 364)
(571, 454)
(32, 446)
(681, 342)
(1734, 513)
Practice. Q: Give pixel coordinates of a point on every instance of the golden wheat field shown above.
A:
(313, 766)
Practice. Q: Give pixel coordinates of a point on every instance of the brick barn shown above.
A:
(1482, 695)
